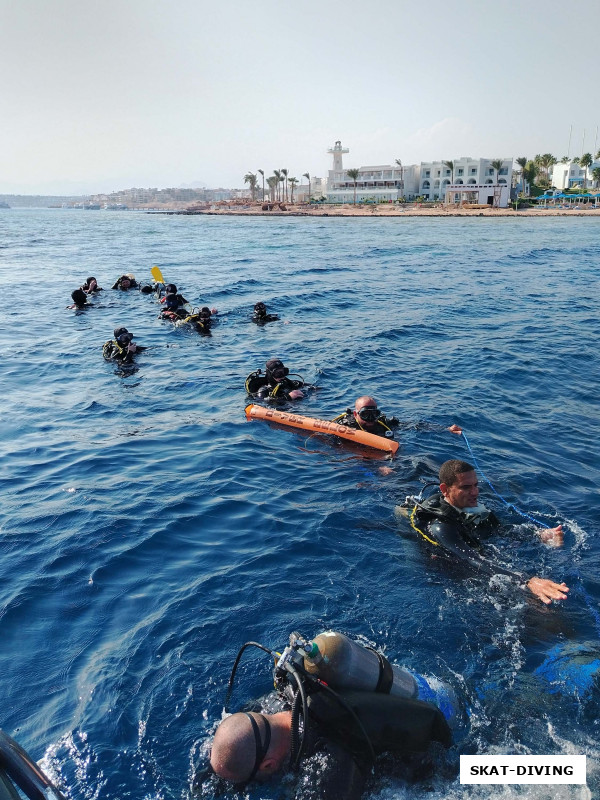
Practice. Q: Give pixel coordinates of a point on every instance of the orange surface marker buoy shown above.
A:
(313, 425)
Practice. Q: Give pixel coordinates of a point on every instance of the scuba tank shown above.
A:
(345, 664)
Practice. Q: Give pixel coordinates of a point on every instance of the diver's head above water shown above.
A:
(458, 484)
(366, 412)
(249, 745)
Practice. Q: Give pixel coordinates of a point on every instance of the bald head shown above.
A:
(365, 402)
(234, 749)
(236, 755)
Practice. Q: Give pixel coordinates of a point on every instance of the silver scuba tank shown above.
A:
(345, 664)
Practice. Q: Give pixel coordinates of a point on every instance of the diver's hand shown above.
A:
(455, 429)
(553, 537)
(546, 590)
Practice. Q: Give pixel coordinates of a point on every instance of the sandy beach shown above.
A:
(410, 210)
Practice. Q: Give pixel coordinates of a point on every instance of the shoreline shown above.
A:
(395, 212)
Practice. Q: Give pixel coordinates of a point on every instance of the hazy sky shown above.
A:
(103, 95)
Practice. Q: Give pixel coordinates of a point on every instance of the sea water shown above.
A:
(148, 530)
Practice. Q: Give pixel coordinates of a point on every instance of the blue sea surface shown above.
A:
(147, 530)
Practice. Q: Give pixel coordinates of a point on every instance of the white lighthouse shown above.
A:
(337, 151)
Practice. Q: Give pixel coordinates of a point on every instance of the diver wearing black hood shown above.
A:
(79, 298)
(122, 348)
(91, 286)
(260, 316)
(274, 384)
(170, 288)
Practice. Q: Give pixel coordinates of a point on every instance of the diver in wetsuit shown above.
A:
(274, 384)
(173, 310)
(91, 286)
(202, 321)
(122, 348)
(367, 417)
(170, 288)
(344, 728)
(125, 282)
(260, 316)
(453, 520)
(79, 298)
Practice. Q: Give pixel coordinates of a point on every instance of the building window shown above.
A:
(461, 171)
(473, 170)
(472, 180)
(427, 173)
(425, 184)
(503, 171)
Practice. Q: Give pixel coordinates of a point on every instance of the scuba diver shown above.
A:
(91, 286)
(126, 282)
(202, 321)
(122, 348)
(260, 315)
(367, 417)
(79, 298)
(455, 523)
(275, 383)
(343, 703)
(173, 310)
(170, 288)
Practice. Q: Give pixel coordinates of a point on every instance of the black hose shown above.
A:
(235, 666)
(298, 743)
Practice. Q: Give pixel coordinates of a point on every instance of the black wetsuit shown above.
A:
(460, 535)
(261, 319)
(404, 727)
(383, 425)
(133, 284)
(258, 385)
(113, 351)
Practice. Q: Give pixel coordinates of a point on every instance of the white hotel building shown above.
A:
(475, 181)
(378, 184)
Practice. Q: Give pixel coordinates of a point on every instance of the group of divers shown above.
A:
(337, 706)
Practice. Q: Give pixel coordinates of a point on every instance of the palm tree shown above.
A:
(399, 163)
(262, 172)
(252, 179)
(284, 172)
(565, 160)
(530, 171)
(293, 182)
(497, 164)
(585, 161)
(353, 175)
(307, 176)
(450, 165)
(272, 182)
(596, 175)
(278, 177)
(546, 161)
